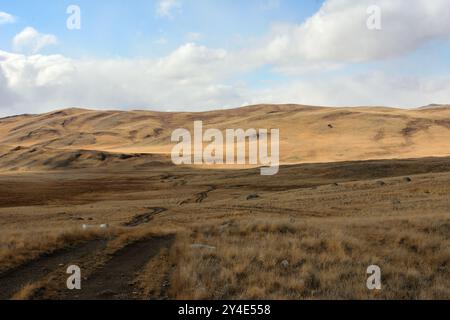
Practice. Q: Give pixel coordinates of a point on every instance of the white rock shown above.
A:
(202, 246)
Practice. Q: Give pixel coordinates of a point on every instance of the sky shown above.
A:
(197, 55)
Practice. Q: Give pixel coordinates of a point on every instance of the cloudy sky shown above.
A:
(194, 55)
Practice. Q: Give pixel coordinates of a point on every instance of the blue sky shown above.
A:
(209, 54)
(134, 28)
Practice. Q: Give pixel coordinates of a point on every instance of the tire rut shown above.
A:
(199, 197)
(116, 279)
(13, 280)
(144, 218)
(202, 196)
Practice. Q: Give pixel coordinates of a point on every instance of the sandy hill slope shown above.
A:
(80, 137)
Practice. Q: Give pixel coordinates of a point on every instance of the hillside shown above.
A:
(88, 138)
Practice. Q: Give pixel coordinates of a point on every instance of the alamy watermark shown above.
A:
(374, 17)
(74, 280)
(374, 279)
(229, 147)
(74, 20)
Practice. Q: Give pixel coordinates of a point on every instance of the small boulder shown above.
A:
(252, 197)
(407, 179)
(381, 183)
(285, 264)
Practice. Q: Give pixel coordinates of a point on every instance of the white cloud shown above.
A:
(31, 41)
(365, 89)
(165, 8)
(192, 62)
(6, 18)
(190, 78)
(338, 33)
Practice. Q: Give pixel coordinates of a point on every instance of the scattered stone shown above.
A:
(202, 246)
(407, 179)
(381, 183)
(252, 197)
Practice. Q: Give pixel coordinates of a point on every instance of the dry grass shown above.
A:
(17, 247)
(328, 221)
(154, 279)
(326, 260)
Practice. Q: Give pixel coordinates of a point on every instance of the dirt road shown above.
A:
(116, 279)
(13, 280)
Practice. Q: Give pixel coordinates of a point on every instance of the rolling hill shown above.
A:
(87, 138)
